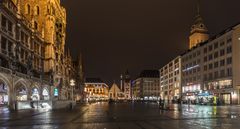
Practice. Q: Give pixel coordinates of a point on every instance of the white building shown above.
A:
(170, 80)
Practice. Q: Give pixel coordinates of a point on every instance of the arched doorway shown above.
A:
(35, 94)
(21, 92)
(45, 94)
(3, 93)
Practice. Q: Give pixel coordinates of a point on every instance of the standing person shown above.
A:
(160, 101)
(189, 102)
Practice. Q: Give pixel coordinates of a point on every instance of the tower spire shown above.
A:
(198, 7)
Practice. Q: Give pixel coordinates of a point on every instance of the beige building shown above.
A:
(95, 89)
(170, 80)
(33, 63)
(21, 60)
(115, 93)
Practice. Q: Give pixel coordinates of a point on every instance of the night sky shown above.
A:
(115, 35)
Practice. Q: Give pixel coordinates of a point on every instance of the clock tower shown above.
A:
(199, 32)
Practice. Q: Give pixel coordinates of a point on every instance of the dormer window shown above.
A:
(37, 10)
(28, 9)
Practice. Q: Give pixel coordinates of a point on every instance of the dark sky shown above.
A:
(115, 35)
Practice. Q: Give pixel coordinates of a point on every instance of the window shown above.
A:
(222, 43)
(229, 40)
(10, 44)
(216, 74)
(205, 59)
(4, 21)
(229, 60)
(229, 49)
(216, 55)
(198, 61)
(10, 26)
(222, 62)
(222, 52)
(198, 53)
(229, 72)
(4, 43)
(205, 77)
(210, 57)
(216, 45)
(205, 50)
(215, 64)
(210, 66)
(210, 48)
(35, 25)
(37, 10)
(210, 76)
(205, 67)
(222, 73)
(28, 9)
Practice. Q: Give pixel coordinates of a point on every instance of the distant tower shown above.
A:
(199, 32)
(127, 85)
(121, 82)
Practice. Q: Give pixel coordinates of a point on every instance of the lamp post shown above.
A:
(72, 84)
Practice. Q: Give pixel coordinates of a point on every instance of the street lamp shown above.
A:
(72, 84)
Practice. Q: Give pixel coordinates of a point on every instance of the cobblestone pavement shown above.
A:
(124, 116)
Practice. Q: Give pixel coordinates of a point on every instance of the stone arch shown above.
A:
(5, 88)
(35, 91)
(5, 80)
(21, 90)
(45, 93)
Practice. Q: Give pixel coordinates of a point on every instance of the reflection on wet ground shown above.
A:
(125, 116)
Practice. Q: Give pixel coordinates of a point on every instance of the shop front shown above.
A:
(205, 98)
(222, 90)
(190, 93)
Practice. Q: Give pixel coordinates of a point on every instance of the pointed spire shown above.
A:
(198, 7)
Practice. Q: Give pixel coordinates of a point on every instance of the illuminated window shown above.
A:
(37, 10)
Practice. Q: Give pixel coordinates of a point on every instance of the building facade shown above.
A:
(34, 65)
(170, 80)
(115, 93)
(21, 60)
(210, 70)
(146, 86)
(95, 89)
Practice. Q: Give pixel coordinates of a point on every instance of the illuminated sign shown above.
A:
(55, 92)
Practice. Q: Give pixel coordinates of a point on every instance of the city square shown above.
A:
(119, 64)
(123, 115)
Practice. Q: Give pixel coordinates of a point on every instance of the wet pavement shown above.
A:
(124, 116)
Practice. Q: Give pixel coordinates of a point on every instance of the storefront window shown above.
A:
(3, 93)
(35, 94)
(21, 94)
(45, 94)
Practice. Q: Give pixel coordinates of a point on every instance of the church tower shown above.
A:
(199, 32)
